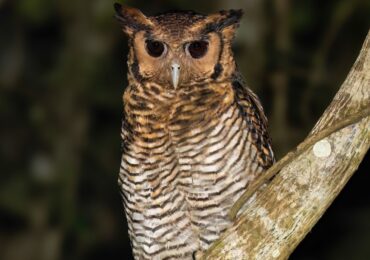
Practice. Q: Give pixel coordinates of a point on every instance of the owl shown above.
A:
(193, 135)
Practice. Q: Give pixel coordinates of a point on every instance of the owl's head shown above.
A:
(178, 49)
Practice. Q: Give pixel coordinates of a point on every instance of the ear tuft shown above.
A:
(223, 20)
(230, 17)
(131, 19)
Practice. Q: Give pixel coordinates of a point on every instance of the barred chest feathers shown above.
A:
(188, 155)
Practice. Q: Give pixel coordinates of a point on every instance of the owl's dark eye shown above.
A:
(198, 49)
(154, 48)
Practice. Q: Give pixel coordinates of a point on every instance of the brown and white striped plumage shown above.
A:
(189, 151)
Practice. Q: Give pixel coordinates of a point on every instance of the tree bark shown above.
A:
(282, 212)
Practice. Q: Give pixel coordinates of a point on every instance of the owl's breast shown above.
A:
(186, 162)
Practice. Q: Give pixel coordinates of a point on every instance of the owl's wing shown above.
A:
(126, 127)
(252, 111)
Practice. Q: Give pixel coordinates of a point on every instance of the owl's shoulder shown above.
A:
(252, 111)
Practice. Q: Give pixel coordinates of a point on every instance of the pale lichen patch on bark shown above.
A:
(322, 149)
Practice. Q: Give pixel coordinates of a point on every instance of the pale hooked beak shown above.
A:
(175, 74)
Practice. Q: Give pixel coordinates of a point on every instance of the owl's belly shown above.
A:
(216, 170)
(178, 190)
(156, 208)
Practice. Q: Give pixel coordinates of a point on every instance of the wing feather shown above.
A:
(252, 111)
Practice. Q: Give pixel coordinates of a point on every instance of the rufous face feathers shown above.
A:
(179, 49)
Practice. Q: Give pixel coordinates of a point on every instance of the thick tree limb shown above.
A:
(282, 212)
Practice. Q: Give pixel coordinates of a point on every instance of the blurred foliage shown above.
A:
(62, 74)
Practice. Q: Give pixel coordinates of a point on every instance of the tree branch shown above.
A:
(283, 211)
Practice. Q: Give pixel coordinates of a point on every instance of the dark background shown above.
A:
(62, 74)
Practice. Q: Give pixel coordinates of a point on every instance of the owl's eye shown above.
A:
(197, 49)
(154, 48)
